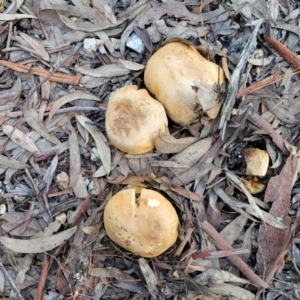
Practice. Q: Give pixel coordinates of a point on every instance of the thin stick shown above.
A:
(43, 277)
(236, 260)
(11, 282)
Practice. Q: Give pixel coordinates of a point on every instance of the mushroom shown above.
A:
(146, 226)
(184, 82)
(257, 161)
(253, 185)
(134, 120)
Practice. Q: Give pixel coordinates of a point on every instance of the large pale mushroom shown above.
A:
(146, 225)
(257, 161)
(134, 120)
(184, 82)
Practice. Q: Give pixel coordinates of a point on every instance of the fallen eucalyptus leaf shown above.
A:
(100, 140)
(38, 245)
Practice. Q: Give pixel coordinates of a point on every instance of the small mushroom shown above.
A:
(184, 82)
(134, 120)
(257, 161)
(253, 185)
(146, 226)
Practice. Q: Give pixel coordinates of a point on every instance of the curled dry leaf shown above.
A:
(235, 292)
(214, 276)
(100, 140)
(169, 144)
(38, 245)
(20, 138)
(57, 104)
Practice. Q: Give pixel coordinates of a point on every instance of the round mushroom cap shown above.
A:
(134, 120)
(257, 161)
(184, 82)
(146, 226)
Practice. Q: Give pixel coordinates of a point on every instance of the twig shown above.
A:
(235, 79)
(225, 64)
(284, 52)
(11, 282)
(43, 277)
(259, 85)
(56, 77)
(236, 260)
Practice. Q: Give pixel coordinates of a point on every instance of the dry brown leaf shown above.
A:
(20, 138)
(38, 245)
(110, 272)
(100, 141)
(192, 154)
(111, 70)
(169, 144)
(58, 103)
(233, 230)
(149, 276)
(33, 44)
(19, 224)
(6, 162)
(104, 8)
(32, 119)
(131, 65)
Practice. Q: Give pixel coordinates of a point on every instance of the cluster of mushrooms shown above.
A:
(183, 85)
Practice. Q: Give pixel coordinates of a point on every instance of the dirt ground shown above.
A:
(236, 234)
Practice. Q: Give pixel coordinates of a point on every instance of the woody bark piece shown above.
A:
(236, 260)
(274, 242)
(285, 53)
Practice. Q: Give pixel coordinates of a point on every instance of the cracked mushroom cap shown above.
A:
(146, 225)
(184, 82)
(134, 120)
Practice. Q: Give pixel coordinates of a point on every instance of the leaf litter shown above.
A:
(58, 169)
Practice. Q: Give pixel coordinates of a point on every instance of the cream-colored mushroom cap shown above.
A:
(184, 82)
(146, 226)
(257, 161)
(134, 120)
